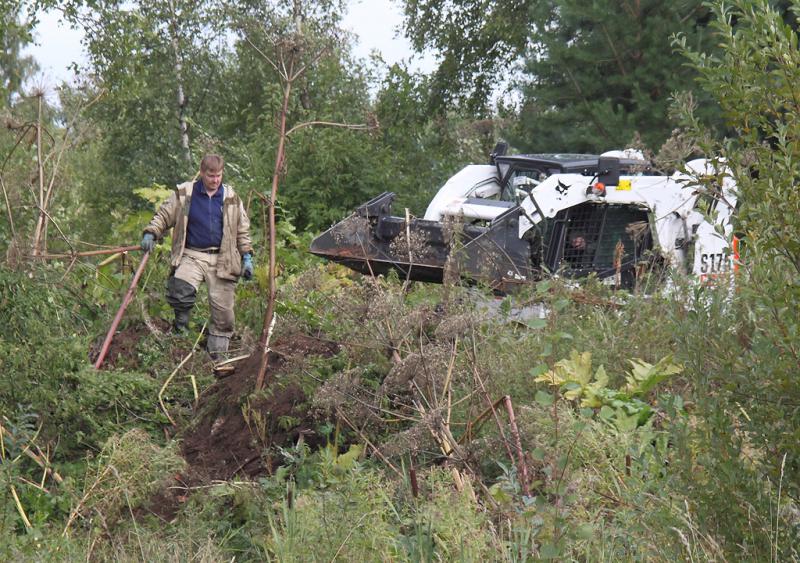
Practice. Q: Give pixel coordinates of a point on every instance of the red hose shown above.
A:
(125, 302)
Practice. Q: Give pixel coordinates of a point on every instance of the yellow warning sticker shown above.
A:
(624, 186)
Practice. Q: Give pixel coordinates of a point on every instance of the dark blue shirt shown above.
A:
(204, 228)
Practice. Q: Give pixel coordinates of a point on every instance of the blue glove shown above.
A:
(148, 242)
(247, 266)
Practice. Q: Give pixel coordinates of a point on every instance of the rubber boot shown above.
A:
(181, 324)
(181, 296)
(217, 346)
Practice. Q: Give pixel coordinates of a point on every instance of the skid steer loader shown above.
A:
(520, 217)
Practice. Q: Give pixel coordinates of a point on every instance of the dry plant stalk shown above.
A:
(175, 371)
(512, 422)
(41, 459)
(20, 509)
(287, 62)
(47, 189)
(619, 250)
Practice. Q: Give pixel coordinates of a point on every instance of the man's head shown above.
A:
(211, 171)
(578, 242)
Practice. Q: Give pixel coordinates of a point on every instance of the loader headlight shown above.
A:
(599, 188)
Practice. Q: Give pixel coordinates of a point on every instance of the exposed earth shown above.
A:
(233, 430)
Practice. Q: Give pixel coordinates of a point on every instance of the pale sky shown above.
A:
(376, 22)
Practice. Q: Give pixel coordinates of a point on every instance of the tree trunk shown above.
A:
(182, 124)
(180, 96)
(39, 230)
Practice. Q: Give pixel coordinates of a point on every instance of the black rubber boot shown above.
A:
(181, 323)
(181, 295)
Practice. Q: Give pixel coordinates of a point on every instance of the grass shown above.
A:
(416, 369)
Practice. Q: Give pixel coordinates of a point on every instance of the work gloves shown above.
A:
(148, 242)
(247, 266)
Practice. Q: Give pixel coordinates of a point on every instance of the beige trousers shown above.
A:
(198, 267)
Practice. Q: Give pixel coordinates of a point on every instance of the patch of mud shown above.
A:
(235, 430)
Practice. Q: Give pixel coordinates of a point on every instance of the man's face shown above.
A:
(212, 179)
(579, 243)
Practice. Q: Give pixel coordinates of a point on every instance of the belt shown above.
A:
(210, 250)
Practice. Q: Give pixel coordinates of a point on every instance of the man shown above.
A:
(577, 252)
(211, 243)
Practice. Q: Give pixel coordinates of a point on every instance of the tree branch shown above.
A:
(357, 127)
(8, 210)
(314, 59)
(263, 55)
(49, 218)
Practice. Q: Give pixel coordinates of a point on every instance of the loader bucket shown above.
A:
(373, 242)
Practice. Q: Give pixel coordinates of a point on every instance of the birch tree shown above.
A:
(156, 59)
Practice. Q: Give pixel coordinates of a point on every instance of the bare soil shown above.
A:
(234, 430)
(122, 351)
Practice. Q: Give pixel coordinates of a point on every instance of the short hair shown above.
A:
(211, 162)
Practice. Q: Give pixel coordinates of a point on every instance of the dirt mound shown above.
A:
(235, 430)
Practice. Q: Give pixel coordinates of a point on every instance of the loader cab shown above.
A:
(587, 238)
(522, 172)
(600, 239)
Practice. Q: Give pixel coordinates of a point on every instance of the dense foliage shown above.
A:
(655, 425)
(585, 76)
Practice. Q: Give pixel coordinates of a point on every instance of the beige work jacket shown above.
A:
(235, 229)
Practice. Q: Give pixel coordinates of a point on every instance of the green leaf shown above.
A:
(606, 412)
(644, 376)
(347, 460)
(536, 324)
(549, 551)
(584, 532)
(499, 494)
(577, 368)
(572, 391)
(624, 422)
(538, 370)
(596, 389)
(544, 398)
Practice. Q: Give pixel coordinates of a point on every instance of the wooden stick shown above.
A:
(125, 302)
